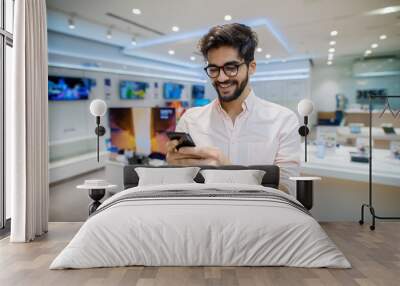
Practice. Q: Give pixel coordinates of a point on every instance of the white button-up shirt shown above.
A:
(264, 133)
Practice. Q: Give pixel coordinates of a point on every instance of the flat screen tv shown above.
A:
(198, 91)
(172, 91)
(201, 102)
(378, 99)
(132, 89)
(68, 88)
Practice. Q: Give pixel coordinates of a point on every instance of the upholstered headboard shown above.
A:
(270, 179)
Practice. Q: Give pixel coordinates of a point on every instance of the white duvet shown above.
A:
(200, 231)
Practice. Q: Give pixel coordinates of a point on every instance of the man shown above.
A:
(237, 127)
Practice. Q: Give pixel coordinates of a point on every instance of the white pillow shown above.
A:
(248, 177)
(166, 176)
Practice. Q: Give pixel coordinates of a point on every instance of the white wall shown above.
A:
(284, 92)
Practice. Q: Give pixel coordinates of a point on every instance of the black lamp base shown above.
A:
(96, 195)
(305, 193)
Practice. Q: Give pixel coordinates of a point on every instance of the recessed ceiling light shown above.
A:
(374, 45)
(334, 33)
(136, 11)
(329, 63)
(386, 10)
(367, 52)
(228, 17)
(382, 37)
(175, 28)
(268, 56)
(332, 43)
(133, 42)
(71, 23)
(192, 58)
(330, 57)
(331, 50)
(171, 52)
(259, 50)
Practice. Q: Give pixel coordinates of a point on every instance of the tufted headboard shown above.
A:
(270, 179)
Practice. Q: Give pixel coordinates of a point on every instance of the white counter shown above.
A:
(385, 170)
(377, 133)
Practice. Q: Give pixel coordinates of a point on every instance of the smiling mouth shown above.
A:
(225, 85)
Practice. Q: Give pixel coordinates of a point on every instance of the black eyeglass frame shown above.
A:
(236, 65)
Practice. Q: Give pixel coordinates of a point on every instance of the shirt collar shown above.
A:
(247, 104)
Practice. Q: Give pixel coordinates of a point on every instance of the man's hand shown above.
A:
(195, 155)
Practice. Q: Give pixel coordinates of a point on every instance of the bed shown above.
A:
(198, 224)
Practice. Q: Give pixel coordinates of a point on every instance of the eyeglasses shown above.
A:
(230, 69)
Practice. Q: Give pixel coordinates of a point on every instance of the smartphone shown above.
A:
(184, 139)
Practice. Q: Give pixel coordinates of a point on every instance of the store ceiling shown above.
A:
(287, 29)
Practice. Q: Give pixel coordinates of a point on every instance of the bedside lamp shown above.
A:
(304, 185)
(98, 108)
(305, 108)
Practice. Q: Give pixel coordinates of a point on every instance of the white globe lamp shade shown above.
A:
(98, 107)
(305, 107)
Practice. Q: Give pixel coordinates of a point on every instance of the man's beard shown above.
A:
(236, 94)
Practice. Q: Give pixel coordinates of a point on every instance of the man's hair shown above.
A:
(235, 35)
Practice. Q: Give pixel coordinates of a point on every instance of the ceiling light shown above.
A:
(331, 50)
(386, 10)
(171, 52)
(329, 63)
(109, 34)
(374, 45)
(192, 58)
(268, 56)
(259, 50)
(133, 42)
(382, 37)
(175, 28)
(330, 57)
(367, 52)
(136, 11)
(334, 33)
(228, 17)
(332, 43)
(71, 23)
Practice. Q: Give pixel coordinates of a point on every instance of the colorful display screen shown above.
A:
(198, 91)
(132, 89)
(68, 88)
(201, 102)
(129, 129)
(172, 90)
(180, 107)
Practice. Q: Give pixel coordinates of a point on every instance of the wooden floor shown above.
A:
(375, 257)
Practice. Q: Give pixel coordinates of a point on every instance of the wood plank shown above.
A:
(375, 257)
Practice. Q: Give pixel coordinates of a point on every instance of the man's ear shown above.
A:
(252, 67)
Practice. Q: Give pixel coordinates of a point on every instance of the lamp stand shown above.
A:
(100, 131)
(303, 131)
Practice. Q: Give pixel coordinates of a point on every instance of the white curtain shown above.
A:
(27, 151)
